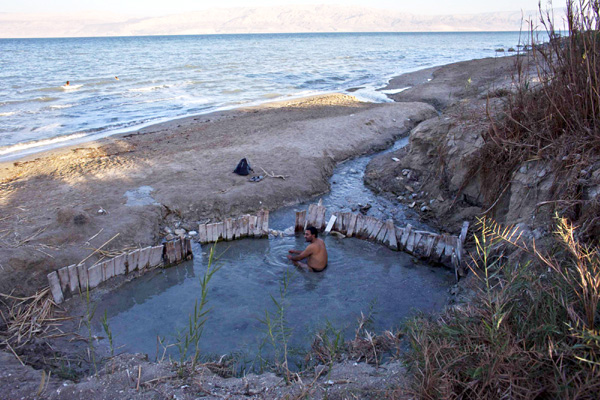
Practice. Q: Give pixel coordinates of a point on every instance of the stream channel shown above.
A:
(362, 277)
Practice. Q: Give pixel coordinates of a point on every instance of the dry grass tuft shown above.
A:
(553, 117)
(531, 331)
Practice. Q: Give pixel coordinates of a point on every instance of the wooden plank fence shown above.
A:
(433, 247)
(246, 226)
(79, 278)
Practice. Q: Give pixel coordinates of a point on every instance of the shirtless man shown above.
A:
(315, 252)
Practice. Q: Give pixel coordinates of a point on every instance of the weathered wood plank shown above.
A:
(209, 233)
(156, 256)
(351, 228)
(320, 219)
(108, 269)
(374, 228)
(244, 227)
(463, 232)
(83, 276)
(430, 243)
(220, 229)
(399, 235)
(73, 279)
(144, 259)
(55, 289)
(170, 255)
(63, 277)
(132, 261)
(300, 221)
(179, 250)
(405, 235)
(94, 275)
(228, 229)
(202, 233)
(337, 222)
(331, 223)
(252, 221)
(380, 238)
(120, 264)
(311, 219)
(265, 224)
(410, 242)
(390, 236)
(438, 250)
(259, 221)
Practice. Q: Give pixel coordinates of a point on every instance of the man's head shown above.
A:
(310, 233)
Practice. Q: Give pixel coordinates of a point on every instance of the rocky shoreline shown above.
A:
(51, 202)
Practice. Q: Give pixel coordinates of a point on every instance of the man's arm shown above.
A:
(306, 253)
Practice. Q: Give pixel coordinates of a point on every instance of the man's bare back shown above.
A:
(315, 252)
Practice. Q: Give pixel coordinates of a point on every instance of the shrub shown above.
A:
(553, 115)
(532, 330)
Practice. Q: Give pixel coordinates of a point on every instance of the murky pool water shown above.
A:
(361, 277)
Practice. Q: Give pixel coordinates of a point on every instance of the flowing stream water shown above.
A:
(362, 277)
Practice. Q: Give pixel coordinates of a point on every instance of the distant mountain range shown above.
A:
(284, 19)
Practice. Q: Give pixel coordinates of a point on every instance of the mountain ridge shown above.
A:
(280, 19)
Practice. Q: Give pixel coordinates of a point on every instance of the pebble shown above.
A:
(192, 233)
(425, 209)
(411, 205)
(180, 232)
(395, 159)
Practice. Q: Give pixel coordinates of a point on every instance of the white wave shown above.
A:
(148, 88)
(395, 91)
(38, 143)
(69, 88)
(46, 128)
(8, 114)
(59, 106)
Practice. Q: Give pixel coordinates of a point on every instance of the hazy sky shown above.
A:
(162, 7)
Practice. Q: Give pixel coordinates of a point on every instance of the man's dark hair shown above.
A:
(313, 231)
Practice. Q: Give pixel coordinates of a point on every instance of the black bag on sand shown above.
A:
(243, 168)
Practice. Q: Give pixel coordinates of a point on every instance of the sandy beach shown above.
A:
(58, 206)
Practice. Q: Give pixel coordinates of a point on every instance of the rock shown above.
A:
(192, 233)
(365, 208)
(180, 232)
(395, 159)
(405, 171)
(169, 237)
(337, 234)
(102, 211)
(425, 209)
(401, 197)
(411, 205)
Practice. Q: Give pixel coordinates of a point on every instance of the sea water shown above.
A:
(119, 84)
